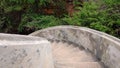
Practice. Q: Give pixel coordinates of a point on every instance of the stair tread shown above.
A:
(78, 65)
(69, 56)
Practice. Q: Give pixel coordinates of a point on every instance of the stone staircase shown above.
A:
(67, 55)
(60, 47)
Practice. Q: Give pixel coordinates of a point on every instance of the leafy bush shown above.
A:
(11, 11)
(39, 21)
(103, 16)
(72, 20)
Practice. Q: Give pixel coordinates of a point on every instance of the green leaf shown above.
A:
(8, 9)
(31, 1)
(17, 8)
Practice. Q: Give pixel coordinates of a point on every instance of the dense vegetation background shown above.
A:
(26, 16)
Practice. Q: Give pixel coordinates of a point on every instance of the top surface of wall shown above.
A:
(20, 51)
(13, 39)
(95, 32)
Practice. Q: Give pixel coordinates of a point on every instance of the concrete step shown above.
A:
(69, 56)
(78, 65)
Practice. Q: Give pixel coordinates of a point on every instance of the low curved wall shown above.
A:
(19, 51)
(103, 46)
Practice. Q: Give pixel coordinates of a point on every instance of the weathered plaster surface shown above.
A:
(104, 46)
(17, 51)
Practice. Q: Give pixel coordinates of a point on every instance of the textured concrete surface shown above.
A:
(17, 51)
(68, 55)
(105, 47)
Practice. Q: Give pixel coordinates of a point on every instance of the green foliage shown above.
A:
(76, 2)
(43, 22)
(99, 26)
(17, 5)
(111, 2)
(43, 2)
(12, 10)
(102, 16)
(39, 21)
(72, 20)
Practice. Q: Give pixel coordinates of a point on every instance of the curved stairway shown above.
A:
(67, 55)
